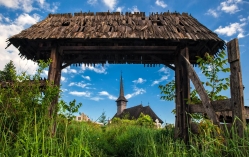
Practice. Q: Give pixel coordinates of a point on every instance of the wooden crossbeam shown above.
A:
(113, 48)
(218, 106)
(201, 91)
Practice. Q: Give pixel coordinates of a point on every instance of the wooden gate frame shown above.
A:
(184, 72)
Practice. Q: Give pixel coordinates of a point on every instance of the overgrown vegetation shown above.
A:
(212, 68)
(25, 130)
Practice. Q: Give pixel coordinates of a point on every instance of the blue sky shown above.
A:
(98, 87)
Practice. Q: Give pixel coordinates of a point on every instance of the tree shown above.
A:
(9, 72)
(23, 100)
(68, 110)
(211, 67)
(102, 118)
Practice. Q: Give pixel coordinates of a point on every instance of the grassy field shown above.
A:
(115, 140)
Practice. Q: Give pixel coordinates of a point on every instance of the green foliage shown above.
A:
(22, 98)
(102, 118)
(9, 72)
(145, 120)
(68, 110)
(168, 90)
(211, 67)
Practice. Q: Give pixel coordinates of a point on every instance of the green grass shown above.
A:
(116, 140)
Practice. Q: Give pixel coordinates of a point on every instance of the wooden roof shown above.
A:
(163, 34)
(134, 112)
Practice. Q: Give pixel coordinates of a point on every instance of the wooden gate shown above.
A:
(184, 72)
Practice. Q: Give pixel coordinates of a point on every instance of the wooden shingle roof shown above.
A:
(172, 26)
(85, 34)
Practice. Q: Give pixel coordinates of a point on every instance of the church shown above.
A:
(132, 112)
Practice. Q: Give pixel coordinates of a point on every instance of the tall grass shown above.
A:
(116, 140)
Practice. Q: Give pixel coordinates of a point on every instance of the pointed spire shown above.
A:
(121, 93)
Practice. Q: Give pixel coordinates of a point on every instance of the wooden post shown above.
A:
(182, 96)
(185, 94)
(236, 86)
(178, 124)
(54, 76)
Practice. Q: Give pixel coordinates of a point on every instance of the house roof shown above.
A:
(158, 33)
(134, 112)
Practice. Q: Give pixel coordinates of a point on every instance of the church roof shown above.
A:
(134, 112)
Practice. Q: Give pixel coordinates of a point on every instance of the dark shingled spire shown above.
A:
(121, 93)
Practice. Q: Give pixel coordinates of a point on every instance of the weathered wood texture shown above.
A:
(54, 75)
(94, 38)
(236, 86)
(218, 106)
(182, 95)
(165, 25)
(202, 93)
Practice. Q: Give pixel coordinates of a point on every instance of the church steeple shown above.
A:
(121, 92)
(121, 101)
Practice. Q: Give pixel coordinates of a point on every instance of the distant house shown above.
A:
(133, 112)
(82, 117)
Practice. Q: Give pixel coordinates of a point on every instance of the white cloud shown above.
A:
(242, 19)
(240, 35)
(64, 89)
(84, 94)
(119, 9)
(98, 68)
(212, 12)
(87, 77)
(139, 80)
(164, 70)
(110, 3)
(134, 9)
(63, 79)
(231, 29)
(230, 6)
(161, 3)
(69, 70)
(105, 93)
(137, 91)
(27, 5)
(163, 78)
(96, 98)
(11, 28)
(79, 84)
(92, 2)
(227, 6)
(27, 20)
